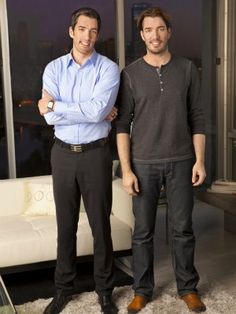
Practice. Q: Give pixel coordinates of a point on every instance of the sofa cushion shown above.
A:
(19, 242)
(31, 239)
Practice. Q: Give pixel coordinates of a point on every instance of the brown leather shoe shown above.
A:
(194, 302)
(137, 304)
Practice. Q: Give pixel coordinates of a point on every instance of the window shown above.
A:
(186, 28)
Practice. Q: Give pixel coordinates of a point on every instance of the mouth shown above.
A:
(156, 43)
(85, 44)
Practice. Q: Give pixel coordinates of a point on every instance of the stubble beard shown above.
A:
(157, 52)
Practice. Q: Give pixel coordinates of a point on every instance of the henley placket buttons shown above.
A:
(161, 82)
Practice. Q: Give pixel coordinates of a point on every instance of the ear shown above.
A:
(71, 32)
(169, 33)
(141, 34)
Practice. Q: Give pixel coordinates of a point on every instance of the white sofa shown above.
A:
(28, 226)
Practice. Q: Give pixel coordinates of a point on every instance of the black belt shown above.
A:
(79, 148)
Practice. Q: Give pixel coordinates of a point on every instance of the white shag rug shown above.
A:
(165, 301)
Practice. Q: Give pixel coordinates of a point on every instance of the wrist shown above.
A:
(127, 172)
(200, 161)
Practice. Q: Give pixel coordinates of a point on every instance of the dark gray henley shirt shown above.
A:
(160, 109)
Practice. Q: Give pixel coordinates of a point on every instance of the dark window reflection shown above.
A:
(234, 104)
(234, 159)
(37, 36)
(186, 22)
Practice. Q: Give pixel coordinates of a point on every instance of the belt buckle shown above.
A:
(76, 148)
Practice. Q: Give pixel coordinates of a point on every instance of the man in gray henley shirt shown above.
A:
(161, 142)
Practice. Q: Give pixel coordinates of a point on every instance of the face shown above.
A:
(155, 35)
(84, 35)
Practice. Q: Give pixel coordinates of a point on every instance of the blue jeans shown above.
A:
(176, 177)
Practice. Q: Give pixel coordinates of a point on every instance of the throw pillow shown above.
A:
(39, 199)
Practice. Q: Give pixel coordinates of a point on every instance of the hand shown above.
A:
(198, 173)
(43, 102)
(130, 183)
(112, 115)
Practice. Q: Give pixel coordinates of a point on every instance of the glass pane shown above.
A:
(234, 115)
(37, 36)
(234, 95)
(3, 140)
(186, 25)
(234, 111)
(234, 160)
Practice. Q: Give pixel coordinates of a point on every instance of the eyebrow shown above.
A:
(150, 27)
(81, 26)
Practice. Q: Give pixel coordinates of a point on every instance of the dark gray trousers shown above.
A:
(88, 174)
(176, 177)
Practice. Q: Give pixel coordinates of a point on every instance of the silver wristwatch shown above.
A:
(50, 105)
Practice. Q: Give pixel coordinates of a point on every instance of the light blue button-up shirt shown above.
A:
(84, 96)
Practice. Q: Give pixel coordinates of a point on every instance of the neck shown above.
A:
(80, 58)
(157, 60)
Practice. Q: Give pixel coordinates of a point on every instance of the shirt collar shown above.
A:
(92, 59)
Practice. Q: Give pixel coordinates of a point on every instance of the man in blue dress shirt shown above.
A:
(79, 92)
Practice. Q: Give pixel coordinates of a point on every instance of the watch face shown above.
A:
(50, 104)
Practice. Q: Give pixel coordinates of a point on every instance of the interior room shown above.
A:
(32, 33)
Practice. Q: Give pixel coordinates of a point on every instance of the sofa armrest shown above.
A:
(122, 203)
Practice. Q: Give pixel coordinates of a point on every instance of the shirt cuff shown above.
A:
(60, 107)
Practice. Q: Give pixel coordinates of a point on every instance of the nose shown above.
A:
(87, 34)
(157, 33)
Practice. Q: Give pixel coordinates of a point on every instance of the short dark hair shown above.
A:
(86, 12)
(153, 12)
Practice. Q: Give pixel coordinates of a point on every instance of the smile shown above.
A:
(85, 44)
(156, 43)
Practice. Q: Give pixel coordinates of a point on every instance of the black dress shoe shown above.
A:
(58, 303)
(107, 305)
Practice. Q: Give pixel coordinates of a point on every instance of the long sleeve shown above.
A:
(92, 110)
(125, 104)
(84, 96)
(195, 110)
